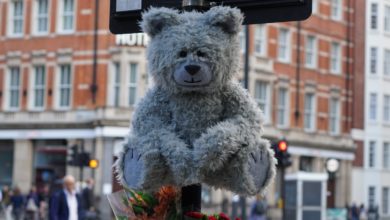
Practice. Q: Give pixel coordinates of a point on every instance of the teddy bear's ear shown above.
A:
(155, 19)
(229, 19)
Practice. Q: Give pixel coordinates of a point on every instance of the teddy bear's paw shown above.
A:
(144, 171)
(260, 167)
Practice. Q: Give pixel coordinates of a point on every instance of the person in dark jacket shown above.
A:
(66, 204)
(32, 204)
(17, 202)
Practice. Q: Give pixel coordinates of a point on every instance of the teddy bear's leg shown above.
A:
(247, 172)
(144, 170)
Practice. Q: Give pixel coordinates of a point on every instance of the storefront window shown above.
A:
(6, 161)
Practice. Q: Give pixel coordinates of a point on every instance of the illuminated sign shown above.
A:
(139, 39)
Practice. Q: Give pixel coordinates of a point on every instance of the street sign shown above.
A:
(126, 14)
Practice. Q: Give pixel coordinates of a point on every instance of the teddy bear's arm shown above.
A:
(153, 151)
(241, 127)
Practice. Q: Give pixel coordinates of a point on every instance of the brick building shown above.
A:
(58, 89)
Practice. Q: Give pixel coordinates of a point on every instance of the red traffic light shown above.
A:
(282, 146)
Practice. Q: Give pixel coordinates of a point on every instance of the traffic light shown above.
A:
(73, 156)
(93, 163)
(282, 154)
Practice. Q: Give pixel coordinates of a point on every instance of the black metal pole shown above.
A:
(298, 74)
(94, 86)
(191, 198)
(283, 192)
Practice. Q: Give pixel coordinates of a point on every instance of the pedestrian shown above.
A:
(44, 198)
(32, 204)
(17, 203)
(89, 200)
(66, 204)
(5, 203)
(355, 212)
(362, 212)
(258, 209)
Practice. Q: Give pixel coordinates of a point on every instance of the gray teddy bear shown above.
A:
(197, 124)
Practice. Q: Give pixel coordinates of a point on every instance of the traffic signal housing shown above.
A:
(73, 156)
(282, 154)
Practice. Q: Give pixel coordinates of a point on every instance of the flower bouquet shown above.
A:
(129, 204)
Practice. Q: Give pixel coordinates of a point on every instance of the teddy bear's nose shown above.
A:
(192, 69)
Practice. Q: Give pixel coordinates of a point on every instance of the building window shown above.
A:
(14, 82)
(315, 6)
(283, 107)
(311, 52)
(386, 108)
(386, 63)
(306, 163)
(16, 15)
(373, 59)
(38, 89)
(334, 116)
(373, 106)
(262, 98)
(65, 86)
(387, 18)
(67, 13)
(371, 196)
(260, 40)
(371, 154)
(335, 58)
(241, 37)
(309, 117)
(385, 200)
(284, 53)
(374, 16)
(336, 9)
(41, 16)
(116, 84)
(132, 85)
(386, 155)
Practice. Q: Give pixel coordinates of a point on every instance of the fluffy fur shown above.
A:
(184, 132)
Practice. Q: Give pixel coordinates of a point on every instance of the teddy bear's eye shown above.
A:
(183, 53)
(200, 54)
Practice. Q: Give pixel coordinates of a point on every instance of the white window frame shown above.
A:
(334, 116)
(59, 86)
(33, 87)
(37, 16)
(336, 10)
(386, 108)
(386, 155)
(265, 101)
(114, 84)
(373, 107)
(284, 45)
(335, 58)
(132, 84)
(374, 16)
(386, 22)
(386, 63)
(371, 154)
(11, 19)
(60, 18)
(374, 60)
(7, 89)
(242, 39)
(283, 108)
(371, 196)
(311, 50)
(315, 5)
(261, 40)
(385, 200)
(310, 113)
